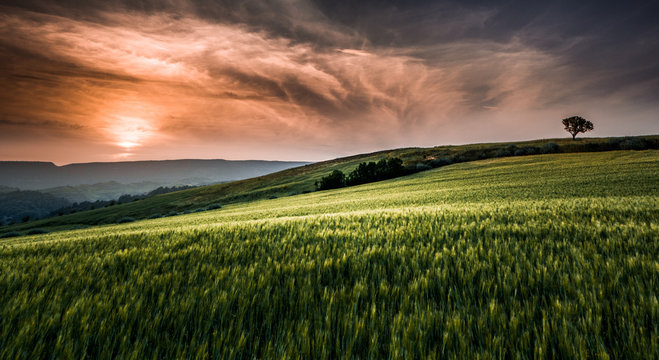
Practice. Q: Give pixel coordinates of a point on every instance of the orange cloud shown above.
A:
(146, 84)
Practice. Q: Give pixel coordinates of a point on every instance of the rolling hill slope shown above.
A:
(536, 256)
(300, 180)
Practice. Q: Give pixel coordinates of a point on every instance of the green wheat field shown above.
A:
(544, 256)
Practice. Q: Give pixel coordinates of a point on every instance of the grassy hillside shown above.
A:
(535, 256)
(301, 179)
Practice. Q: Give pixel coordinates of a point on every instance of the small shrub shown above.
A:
(272, 197)
(78, 227)
(442, 161)
(633, 144)
(172, 213)
(422, 167)
(155, 216)
(614, 143)
(549, 148)
(213, 206)
(526, 150)
(502, 153)
(37, 231)
(595, 146)
(531, 150)
(410, 168)
(126, 219)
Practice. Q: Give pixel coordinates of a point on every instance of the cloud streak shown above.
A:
(291, 79)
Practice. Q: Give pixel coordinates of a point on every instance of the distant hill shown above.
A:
(6, 189)
(42, 175)
(18, 206)
(301, 179)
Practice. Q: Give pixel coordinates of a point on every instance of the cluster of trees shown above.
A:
(364, 173)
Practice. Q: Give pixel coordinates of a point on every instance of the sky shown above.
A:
(116, 80)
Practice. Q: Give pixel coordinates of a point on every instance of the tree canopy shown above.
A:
(577, 124)
(364, 173)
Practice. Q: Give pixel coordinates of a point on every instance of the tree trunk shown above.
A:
(573, 136)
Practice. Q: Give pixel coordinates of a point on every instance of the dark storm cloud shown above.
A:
(611, 44)
(297, 20)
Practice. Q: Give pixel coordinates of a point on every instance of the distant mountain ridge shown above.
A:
(34, 175)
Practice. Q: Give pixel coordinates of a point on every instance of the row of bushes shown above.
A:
(498, 152)
(625, 143)
(512, 150)
(29, 232)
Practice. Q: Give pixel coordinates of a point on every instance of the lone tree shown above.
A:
(577, 124)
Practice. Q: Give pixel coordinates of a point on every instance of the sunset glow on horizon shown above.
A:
(312, 80)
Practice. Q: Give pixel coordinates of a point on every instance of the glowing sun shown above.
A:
(130, 132)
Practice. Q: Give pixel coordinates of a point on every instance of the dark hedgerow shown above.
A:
(36, 232)
(502, 153)
(441, 161)
(11, 234)
(509, 150)
(526, 150)
(422, 167)
(549, 148)
(126, 219)
(633, 144)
